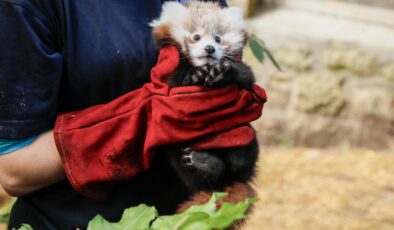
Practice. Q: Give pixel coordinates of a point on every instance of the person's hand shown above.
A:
(114, 141)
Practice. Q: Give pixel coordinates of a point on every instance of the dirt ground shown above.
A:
(322, 189)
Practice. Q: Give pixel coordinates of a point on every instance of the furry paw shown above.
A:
(241, 161)
(207, 168)
(216, 73)
(209, 75)
(200, 160)
(199, 74)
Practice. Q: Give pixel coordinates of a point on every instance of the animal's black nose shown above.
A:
(209, 49)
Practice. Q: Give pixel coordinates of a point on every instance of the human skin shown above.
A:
(32, 167)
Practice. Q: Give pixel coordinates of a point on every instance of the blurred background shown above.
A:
(327, 133)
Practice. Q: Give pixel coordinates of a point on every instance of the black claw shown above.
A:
(187, 156)
(199, 73)
(198, 76)
(205, 68)
(212, 73)
(186, 160)
(218, 67)
(186, 150)
(195, 79)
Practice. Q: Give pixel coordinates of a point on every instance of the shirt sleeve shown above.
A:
(30, 70)
(9, 146)
(222, 2)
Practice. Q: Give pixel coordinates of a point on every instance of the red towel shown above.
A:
(114, 141)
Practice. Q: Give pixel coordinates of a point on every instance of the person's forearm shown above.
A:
(32, 167)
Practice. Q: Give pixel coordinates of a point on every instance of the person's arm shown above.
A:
(32, 167)
(30, 74)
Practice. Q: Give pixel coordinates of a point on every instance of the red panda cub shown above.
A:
(210, 40)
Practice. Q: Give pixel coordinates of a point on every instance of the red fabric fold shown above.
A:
(115, 141)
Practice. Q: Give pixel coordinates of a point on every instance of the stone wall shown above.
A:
(338, 95)
(337, 84)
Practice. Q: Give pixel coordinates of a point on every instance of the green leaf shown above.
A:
(167, 222)
(210, 206)
(137, 218)
(271, 57)
(256, 48)
(196, 213)
(198, 217)
(25, 227)
(197, 226)
(259, 49)
(229, 213)
(6, 211)
(178, 221)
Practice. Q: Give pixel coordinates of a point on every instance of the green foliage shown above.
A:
(285, 140)
(201, 217)
(256, 48)
(143, 217)
(259, 50)
(25, 227)
(137, 218)
(5, 212)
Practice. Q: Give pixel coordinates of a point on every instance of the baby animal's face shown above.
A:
(204, 32)
(204, 48)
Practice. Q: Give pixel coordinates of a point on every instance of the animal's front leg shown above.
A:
(216, 74)
(241, 162)
(228, 72)
(197, 75)
(200, 170)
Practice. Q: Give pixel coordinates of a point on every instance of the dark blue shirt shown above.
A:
(63, 55)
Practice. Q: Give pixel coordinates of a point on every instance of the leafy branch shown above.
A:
(198, 217)
(260, 50)
(201, 217)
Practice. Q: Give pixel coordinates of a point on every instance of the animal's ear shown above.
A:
(168, 28)
(162, 35)
(172, 12)
(235, 21)
(233, 13)
(165, 34)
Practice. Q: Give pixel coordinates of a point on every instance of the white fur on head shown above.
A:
(233, 13)
(197, 51)
(234, 19)
(172, 12)
(173, 15)
(224, 29)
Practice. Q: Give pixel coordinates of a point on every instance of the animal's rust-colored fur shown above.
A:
(163, 36)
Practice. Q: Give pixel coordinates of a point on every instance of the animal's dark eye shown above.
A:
(218, 39)
(196, 37)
